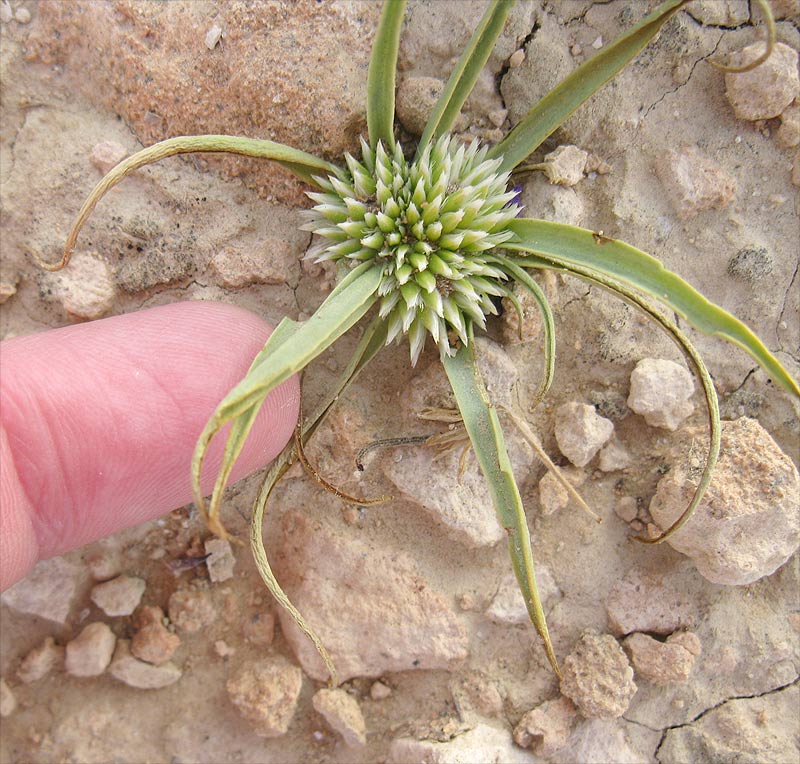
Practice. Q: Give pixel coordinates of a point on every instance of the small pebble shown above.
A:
(135, 673)
(107, 154)
(90, 652)
(626, 509)
(660, 391)
(223, 649)
(516, 58)
(22, 16)
(191, 610)
(120, 596)
(581, 432)
(598, 678)
(7, 700)
(661, 663)
(379, 691)
(220, 561)
(40, 661)
(6, 13)
(343, 715)
(213, 36)
(598, 43)
(153, 642)
(265, 692)
(546, 729)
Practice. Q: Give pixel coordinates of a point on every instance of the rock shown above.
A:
(40, 661)
(474, 694)
(581, 432)
(788, 134)
(553, 495)
(301, 103)
(658, 662)
(272, 261)
(6, 12)
(8, 703)
(394, 622)
(343, 715)
(136, 673)
(120, 596)
(598, 678)
(153, 642)
(627, 509)
(104, 565)
(265, 693)
(191, 610)
(7, 289)
(379, 691)
(107, 154)
(546, 729)
(660, 392)
(757, 729)
(688, 640)
(223, 649)
(508, 604)
(220, 561)
(565, 166)
(416, 97)
(614, 457)
(46, 591)
(719, 13)
(751, 264)
(748, 524)
(86, 289)
(462, 506)
(90, 652)
(763, 92)
(260, 629)
(516, 58)
(482, 743)
(649, 602)
(163, 261)
(694, 182)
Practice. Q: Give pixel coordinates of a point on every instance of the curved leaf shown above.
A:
(483, 427)
(466, 72)
(694, 360)
(304, 165)
(554, 108)
(566, 245)
(373, 339)
(382, 71)
(298, 346)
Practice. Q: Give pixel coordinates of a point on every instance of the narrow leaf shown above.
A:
(483, 427)
(381, 77)
(569, 246)
(304, 165)
(466, 72)
(373, 339)
(553, 109)
(341, 310)
(618, 289)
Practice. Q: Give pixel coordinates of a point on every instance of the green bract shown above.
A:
(431, 242)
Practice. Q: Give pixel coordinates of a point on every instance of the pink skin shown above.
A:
(99, 421)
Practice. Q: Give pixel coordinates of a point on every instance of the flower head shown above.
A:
(429, 225)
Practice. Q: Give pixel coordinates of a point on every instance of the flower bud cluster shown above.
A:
(428, 224)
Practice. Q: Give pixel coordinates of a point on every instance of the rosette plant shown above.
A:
(428, 238)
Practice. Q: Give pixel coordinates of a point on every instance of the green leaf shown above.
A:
(554, 108)
(693, 358)
(483, 427)
(373, 339)
(566, 245)
(382, 71)
(466, 72)
(296, 349)
(304, 165)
